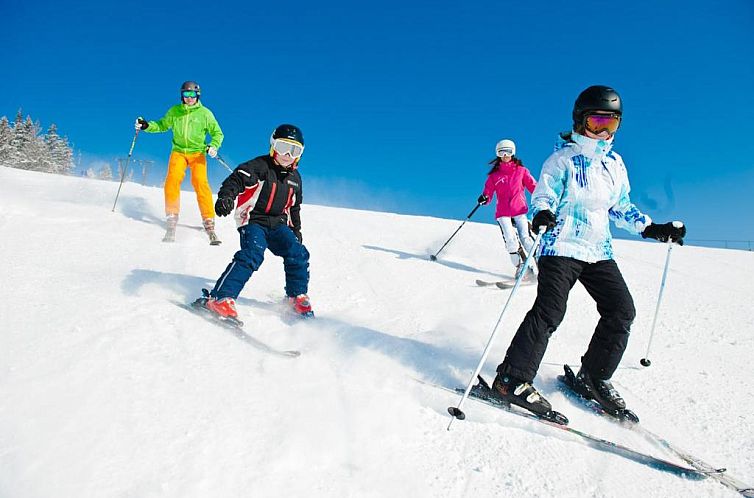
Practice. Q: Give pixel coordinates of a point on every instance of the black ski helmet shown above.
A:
(191, 86)
(287, 131)
(596, 98)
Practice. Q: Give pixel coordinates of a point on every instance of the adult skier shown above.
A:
(508, 179)
(268, 215)
(190, 122)
(582, 187)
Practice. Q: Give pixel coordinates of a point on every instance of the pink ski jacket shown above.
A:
(508, 183)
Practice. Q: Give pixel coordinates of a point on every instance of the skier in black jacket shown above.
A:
(268, 215)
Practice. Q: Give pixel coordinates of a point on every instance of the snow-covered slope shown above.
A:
(109, 389)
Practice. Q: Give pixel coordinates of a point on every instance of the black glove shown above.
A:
(143, 124)
(482, 199)
(224, 205)
(674, 230)
(544, 218)
(298, 235)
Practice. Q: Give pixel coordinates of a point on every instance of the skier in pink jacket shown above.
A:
(507, 179)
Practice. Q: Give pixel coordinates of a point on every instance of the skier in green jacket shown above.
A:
(190, 122)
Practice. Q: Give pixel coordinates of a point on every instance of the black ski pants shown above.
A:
(557, 276)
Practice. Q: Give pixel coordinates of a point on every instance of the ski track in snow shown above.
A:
(109, 389)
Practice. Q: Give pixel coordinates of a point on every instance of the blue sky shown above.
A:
(402, 103)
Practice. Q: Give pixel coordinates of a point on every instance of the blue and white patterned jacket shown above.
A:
(585, 184)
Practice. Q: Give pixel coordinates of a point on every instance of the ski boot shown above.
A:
(517, 392)
(301, 305)
(209, 227)
(219, 310)
(171, 224)
(601, 392)
(531, 272)
(224, 308)
(529, 276)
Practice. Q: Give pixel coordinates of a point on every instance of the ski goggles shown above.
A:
(189, 94)
(504, 151)
(597, 123)
(293, 149)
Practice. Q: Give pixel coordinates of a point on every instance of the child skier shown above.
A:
(268, 215)
(583, 185)
(507, 179)
(190, 122)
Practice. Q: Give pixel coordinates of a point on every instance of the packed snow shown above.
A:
(109, 388)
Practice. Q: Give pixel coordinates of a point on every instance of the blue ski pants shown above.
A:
(255, 239)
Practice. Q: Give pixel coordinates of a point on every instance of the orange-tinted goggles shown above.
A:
(597, 123)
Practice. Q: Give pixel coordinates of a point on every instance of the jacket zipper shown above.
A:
(185, 130)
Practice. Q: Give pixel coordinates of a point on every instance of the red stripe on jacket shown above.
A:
(272, 198)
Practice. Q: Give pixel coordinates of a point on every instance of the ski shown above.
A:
(503, 284)
(509, 285)
(236, 326)
(593, 441)
(631, 422)
(484, 283)
(719, 474)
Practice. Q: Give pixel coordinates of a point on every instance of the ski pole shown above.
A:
(222, 161)
(434, 256)
(645, 361)
(456, 411)
(123, 174)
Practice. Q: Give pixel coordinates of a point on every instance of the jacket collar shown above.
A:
(190, 108)
(592, 148)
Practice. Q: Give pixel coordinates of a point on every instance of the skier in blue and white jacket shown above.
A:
(586, 185)
(582, 187)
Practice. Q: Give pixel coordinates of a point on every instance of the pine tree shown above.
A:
(6, 135)
(28, 149)
(37, 153)
(17, 142)
(61, 155)
(22, 146)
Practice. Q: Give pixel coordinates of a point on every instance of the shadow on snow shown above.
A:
(431, 362)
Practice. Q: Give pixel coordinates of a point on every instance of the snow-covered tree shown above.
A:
(36, 152)
(106, 172)
(6, 134)
(90, 173)
(61, 155)
(19, 139)
(21, 146)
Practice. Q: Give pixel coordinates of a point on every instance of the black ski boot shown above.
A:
(601, 391)
(517, 392)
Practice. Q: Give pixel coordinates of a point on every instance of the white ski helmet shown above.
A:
(505, 146)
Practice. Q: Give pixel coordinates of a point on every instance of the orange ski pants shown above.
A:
(177, 165)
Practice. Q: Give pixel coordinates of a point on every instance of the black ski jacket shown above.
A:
(268, 194)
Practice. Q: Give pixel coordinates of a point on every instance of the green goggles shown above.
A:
(189, 94)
